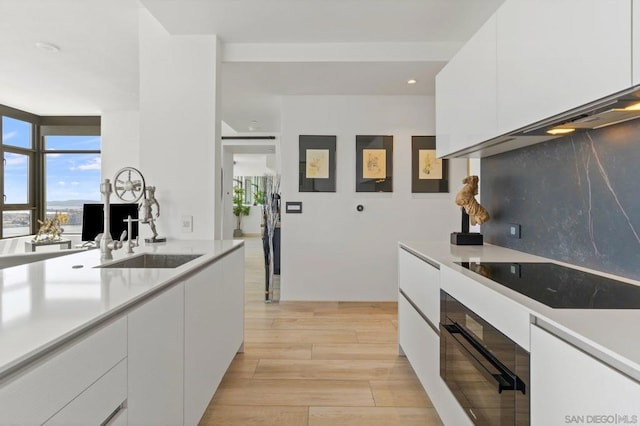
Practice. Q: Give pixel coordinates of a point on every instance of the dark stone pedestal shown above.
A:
(466, 238)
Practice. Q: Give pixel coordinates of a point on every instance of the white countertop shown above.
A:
(610, 335)
(48, 302)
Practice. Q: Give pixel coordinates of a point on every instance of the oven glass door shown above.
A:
(474, 385)
(485, 370)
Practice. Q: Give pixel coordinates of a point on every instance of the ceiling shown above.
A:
(96, 68)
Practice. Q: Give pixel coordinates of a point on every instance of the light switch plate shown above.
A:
(186, 222)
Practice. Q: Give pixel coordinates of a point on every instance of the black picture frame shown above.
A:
(423, 150)
(374, 176)
(317, 163)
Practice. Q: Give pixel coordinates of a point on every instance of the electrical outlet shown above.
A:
(186, 223)
(514, 230)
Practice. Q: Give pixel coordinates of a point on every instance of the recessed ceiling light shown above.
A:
(412, 81)
(49, 47)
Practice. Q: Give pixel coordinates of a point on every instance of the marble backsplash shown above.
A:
(577, 199)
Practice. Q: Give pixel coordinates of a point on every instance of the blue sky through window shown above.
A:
(72, 177)
(16, 132)
(69, 176)
(16, 178)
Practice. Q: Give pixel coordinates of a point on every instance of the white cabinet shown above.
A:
(182, 341)
(635, 29)
(569, 386)
(421, 345)
(71, 381)
(214, 327)
(466, 94)
(420, 281)
(155, 342)
(419, 285)
(104, 400)
(158, 362)
(555, 55)
(531, 60)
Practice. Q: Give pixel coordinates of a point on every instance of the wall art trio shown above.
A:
(374, 164)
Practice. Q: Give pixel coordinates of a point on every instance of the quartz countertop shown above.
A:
(49, 302)
(608, 334)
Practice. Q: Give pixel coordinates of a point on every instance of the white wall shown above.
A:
(331, 251)
(249, 164)
(120, 132)
(180, 150)
(251, 224)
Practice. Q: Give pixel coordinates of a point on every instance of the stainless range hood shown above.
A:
(614, 109)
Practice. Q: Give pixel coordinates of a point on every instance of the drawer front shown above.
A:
(420, 282)
(503, 313)
(101, 401)
(41, 390)
(421, 345)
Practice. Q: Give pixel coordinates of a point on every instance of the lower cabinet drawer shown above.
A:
(421, 345)
(120, 419)
(34, 395)
(102, 401)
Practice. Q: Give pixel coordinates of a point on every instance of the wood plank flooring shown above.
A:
(317, 364)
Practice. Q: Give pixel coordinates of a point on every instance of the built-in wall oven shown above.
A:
(486, 371)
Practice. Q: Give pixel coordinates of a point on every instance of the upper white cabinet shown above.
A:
(555, 55)
(635, 55)
(532, 60)
(466, 94)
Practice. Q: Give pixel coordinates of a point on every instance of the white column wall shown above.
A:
(120, 142)
(179, 130)
(331, 251)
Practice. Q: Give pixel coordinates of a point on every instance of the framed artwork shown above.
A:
(374, 163)
(317, 163)
(428, 173)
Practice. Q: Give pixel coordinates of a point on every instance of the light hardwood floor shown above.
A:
(316, 364)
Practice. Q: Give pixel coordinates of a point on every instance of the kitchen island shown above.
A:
(145, 338)
(584, 362)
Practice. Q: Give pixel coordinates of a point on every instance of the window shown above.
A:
(253, 189)
(72, 176)
(18, 182)
(50, 165)
(16, 133)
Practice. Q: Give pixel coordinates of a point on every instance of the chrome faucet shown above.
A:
(130, 243)
(107, 244)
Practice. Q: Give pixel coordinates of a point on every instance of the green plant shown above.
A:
(239, 209)
(258, 198)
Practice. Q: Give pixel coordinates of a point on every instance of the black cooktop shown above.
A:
(558, 286)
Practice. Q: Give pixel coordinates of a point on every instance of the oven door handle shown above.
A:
(505, 379)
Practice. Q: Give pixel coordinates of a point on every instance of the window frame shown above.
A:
(63, 126)
(31, 153)
(41, 126)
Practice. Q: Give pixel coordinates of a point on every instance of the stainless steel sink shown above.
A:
(153, 261)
